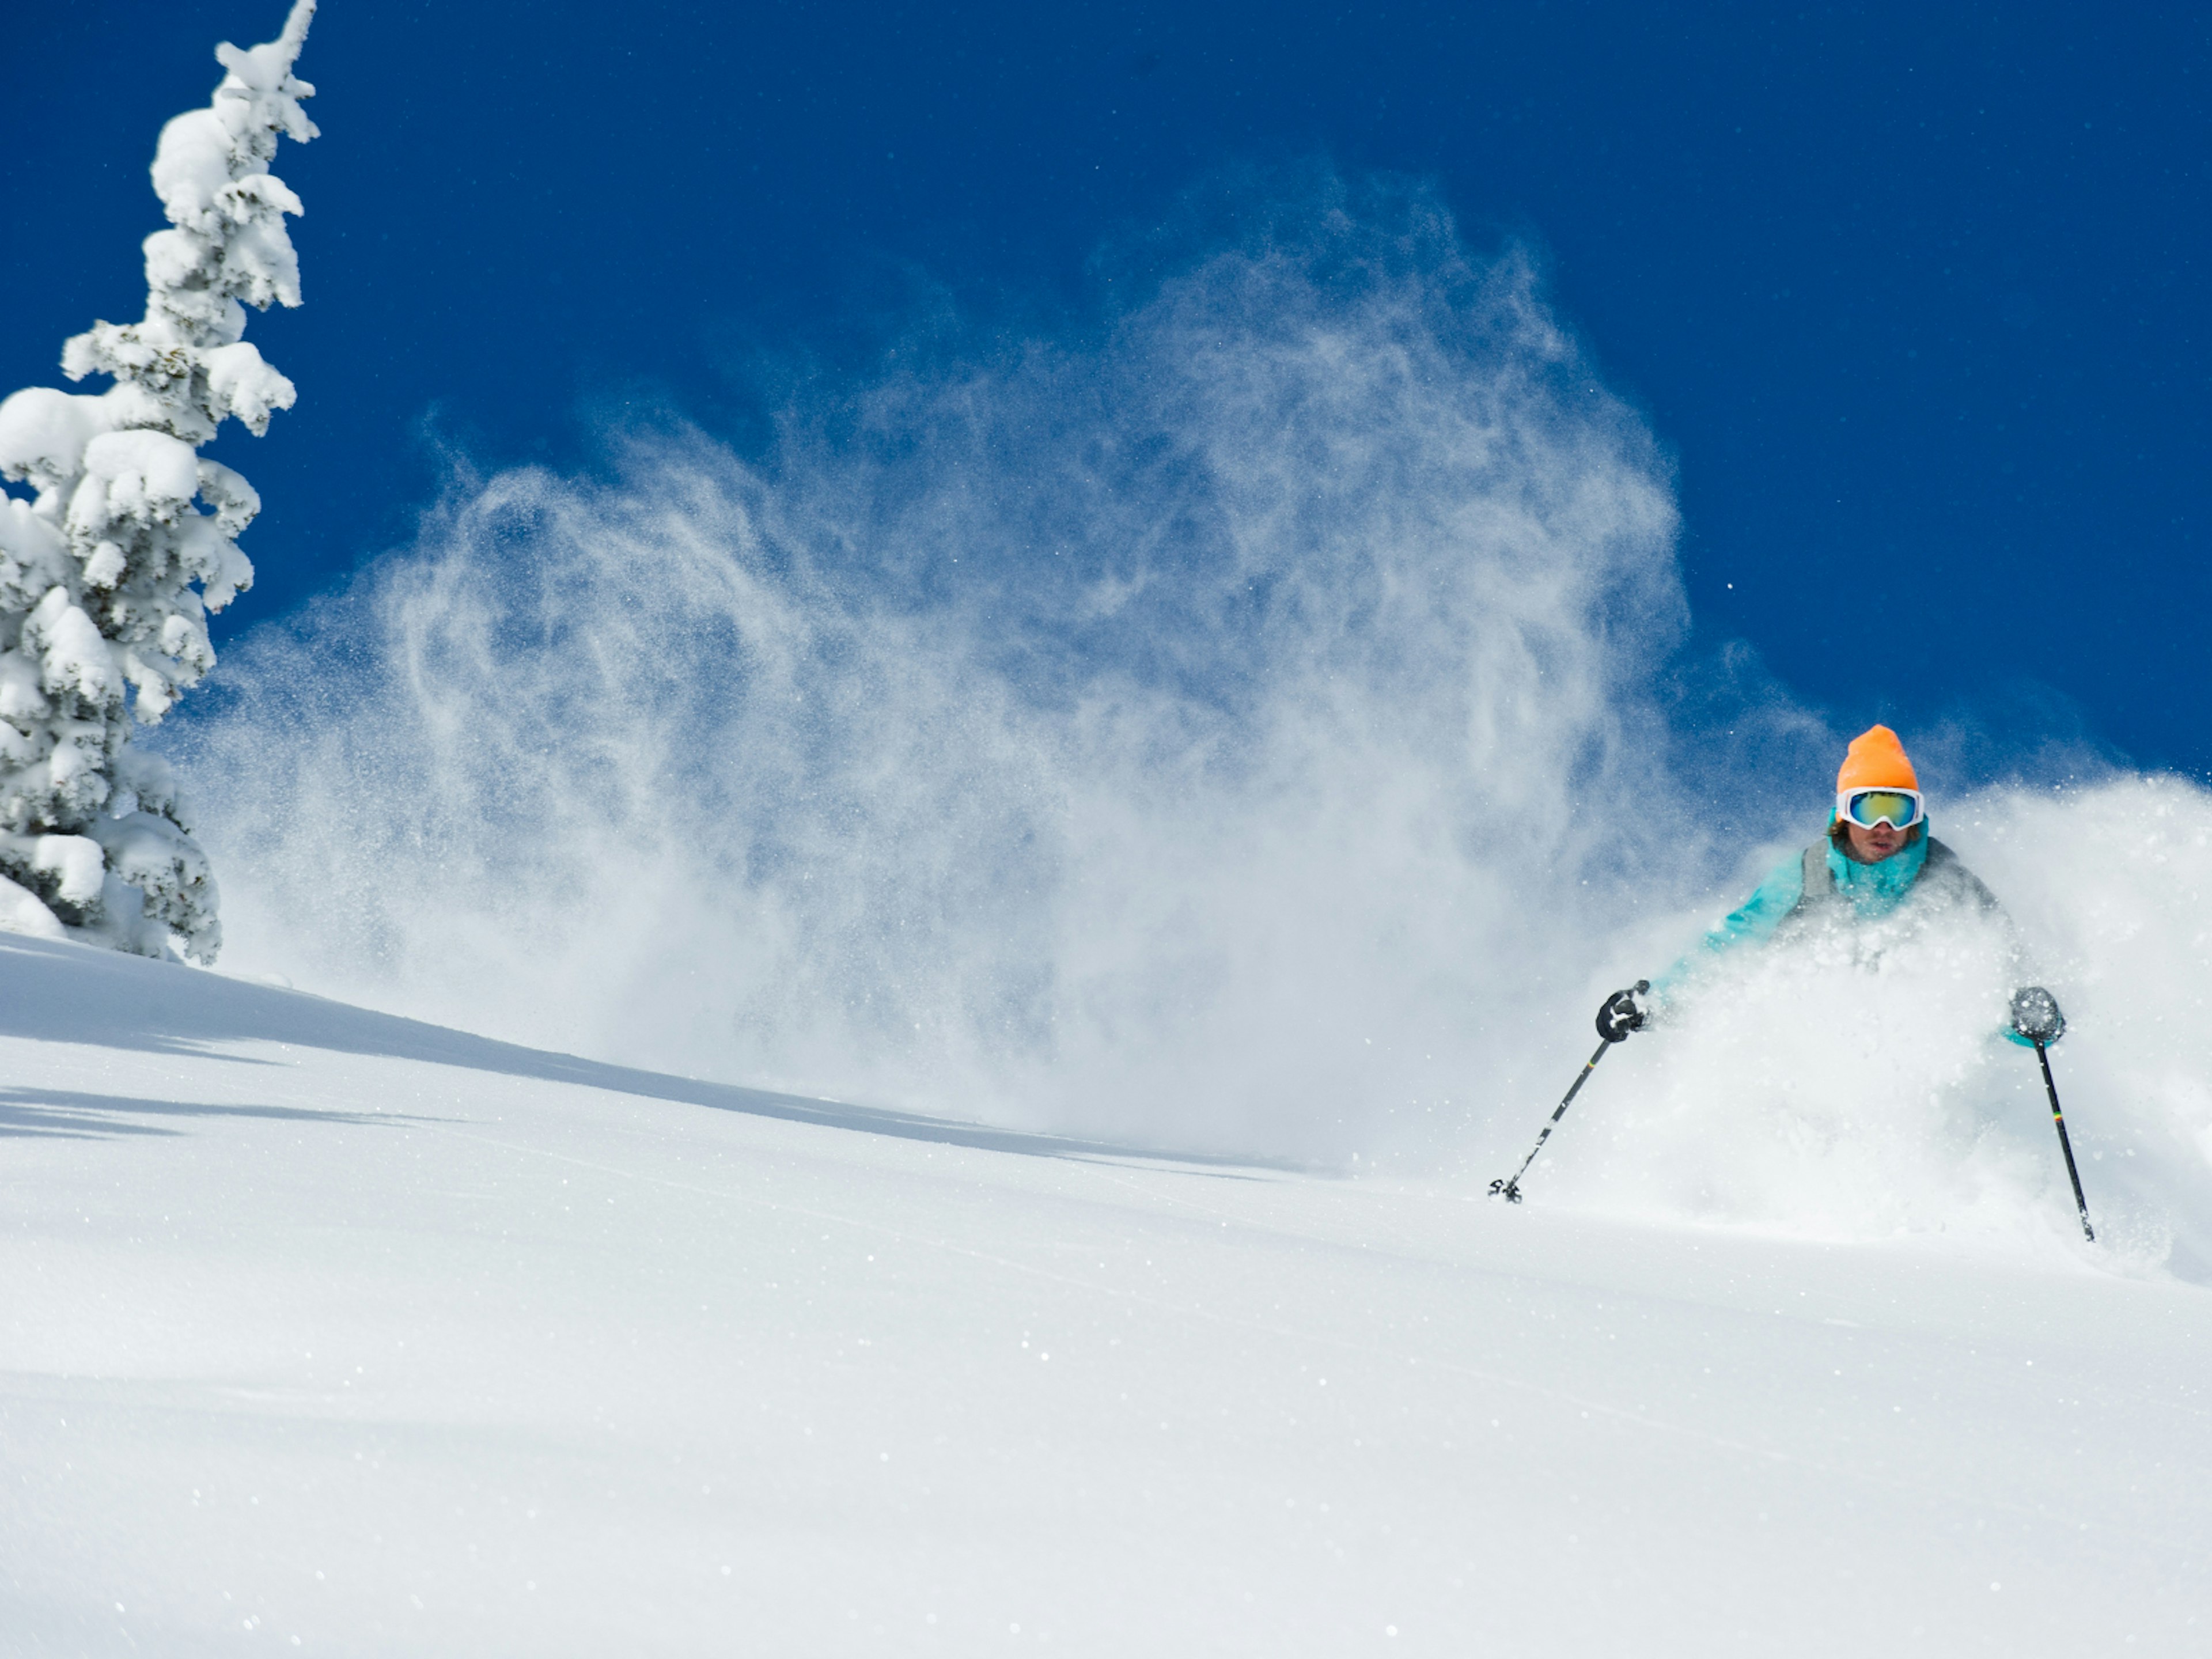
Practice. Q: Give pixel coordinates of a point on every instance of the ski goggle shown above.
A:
(1898, 808)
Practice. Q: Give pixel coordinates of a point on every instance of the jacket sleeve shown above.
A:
(1751, 922)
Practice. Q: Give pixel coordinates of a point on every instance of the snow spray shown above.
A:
(1203, 732)
(1235, 723)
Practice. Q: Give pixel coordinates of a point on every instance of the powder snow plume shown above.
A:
(1204, 731)
(1238, 724)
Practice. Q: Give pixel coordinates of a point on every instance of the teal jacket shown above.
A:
(1867, 890)
(1871, 890)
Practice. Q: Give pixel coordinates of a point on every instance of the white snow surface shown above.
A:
(331, 1332)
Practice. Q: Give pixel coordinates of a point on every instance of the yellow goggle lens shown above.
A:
(1871, 807)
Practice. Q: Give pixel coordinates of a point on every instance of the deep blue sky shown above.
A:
(1914, 295)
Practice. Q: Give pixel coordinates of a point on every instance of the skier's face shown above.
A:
(1873, 846)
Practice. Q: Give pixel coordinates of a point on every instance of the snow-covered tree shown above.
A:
(107, 576)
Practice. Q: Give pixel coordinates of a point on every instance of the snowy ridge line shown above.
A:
(170, 1008)
(871, 1120)
(1586, 1406)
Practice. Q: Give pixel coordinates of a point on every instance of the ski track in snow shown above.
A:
(330, 1332)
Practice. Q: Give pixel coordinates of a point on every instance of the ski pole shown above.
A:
(2035, 1016)
(1613, 1024)
(2065, 1145)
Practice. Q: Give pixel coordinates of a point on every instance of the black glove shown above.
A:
(2035, 1015)
(1619, 1016)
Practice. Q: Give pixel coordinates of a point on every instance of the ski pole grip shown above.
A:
(1619, 1015)
(2035, 1015)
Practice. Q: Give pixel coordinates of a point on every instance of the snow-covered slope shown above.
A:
(322, 1330)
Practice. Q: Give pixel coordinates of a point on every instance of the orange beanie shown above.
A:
(1876, 760)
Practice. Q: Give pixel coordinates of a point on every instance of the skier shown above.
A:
(1876, 856)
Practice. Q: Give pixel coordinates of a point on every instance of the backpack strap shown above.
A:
(1944, 873)
(1819, 883)
(1941, 872)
